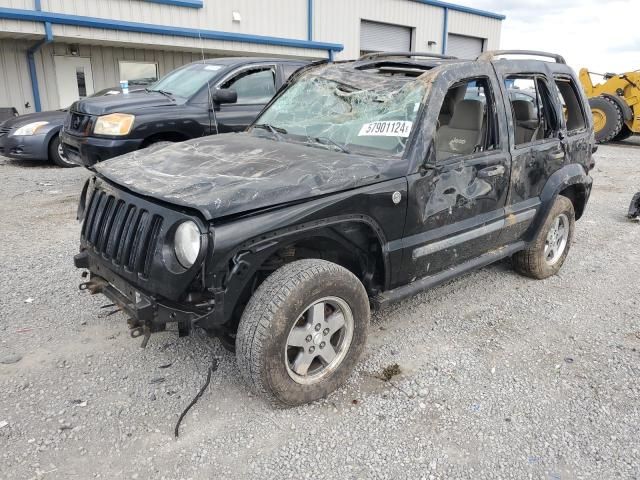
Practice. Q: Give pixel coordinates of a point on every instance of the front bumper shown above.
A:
(25, 147)
(88, 151)
(147, 313)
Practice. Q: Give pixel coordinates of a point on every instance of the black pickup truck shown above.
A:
(361, 183)
(212, 96)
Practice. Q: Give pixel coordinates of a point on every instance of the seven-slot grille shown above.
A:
(4, 131)
(78, 123)
(121, 232)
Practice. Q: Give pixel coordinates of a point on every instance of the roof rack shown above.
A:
(491, 54)
(369, 56)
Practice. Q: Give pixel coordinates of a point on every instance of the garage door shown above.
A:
(464, 47)
(383, 37)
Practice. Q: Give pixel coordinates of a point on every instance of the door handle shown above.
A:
(494, 171)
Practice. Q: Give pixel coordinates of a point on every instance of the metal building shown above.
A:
(55, 51)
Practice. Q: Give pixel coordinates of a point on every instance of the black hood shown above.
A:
(125, 103)
(233, 173)
(53, 117)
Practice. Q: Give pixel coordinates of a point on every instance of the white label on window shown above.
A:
(213, 67)
(386, 128)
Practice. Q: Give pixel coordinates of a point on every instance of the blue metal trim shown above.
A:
(180, 3)
(330, 55)
(460, 8)
(445, 31)
(121, 25)
(310, 20)
(31, 60)
(35, 88)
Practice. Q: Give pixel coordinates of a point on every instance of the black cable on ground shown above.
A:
(212, 368)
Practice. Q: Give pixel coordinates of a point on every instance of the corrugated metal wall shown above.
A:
(339, 21)
(15, 84)
(334, 21)
(281, 18)
(476, 26)
(104, 65)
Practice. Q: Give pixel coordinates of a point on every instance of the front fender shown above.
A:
(235, 267)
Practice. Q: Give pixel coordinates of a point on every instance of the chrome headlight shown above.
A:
(116, 124)
(186, 243)
(30, 128)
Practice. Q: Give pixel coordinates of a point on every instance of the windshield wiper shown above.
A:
(329, 141)
(163, 92)
(277, 131)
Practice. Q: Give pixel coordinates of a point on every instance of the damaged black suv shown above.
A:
(360, 183)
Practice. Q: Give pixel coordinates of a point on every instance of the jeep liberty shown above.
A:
(360, 183)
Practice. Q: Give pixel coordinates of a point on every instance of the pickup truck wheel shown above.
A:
(56, 154)
(303, 332)
(546, 255)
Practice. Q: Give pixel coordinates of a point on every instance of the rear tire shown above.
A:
(302, 332)
(550, 248)
(56, 155)
(607, 119)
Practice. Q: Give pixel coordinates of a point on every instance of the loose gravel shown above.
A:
(490, 376)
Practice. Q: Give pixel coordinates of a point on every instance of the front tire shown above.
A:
(57, 156)
(303, 332)
(550, 248)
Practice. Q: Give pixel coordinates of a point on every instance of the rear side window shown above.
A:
(571, 106)
(532, 109)
(467, 121)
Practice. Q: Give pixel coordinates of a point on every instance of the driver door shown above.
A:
(255, 86)
(457, 196)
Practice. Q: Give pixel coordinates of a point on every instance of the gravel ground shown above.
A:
(501, 376)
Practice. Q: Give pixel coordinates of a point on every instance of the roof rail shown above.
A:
(369, 56)
(491, 54)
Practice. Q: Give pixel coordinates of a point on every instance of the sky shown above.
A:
(602, 35)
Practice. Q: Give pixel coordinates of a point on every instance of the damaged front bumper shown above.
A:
(147, 314)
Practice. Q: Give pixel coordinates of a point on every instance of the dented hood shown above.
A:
(233, 173)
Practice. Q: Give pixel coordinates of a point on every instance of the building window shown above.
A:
(139, 73)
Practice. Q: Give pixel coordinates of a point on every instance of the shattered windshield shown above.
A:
(346, 111)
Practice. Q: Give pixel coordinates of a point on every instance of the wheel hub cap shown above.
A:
(557, 238)
(319, 340)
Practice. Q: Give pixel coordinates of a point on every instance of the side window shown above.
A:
(254, 87)
(467, 121)
(571, 106)
(532, 109)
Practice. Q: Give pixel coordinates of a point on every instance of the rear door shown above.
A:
(575, 126)
(536, 140)
(255, 86)
(458, 191)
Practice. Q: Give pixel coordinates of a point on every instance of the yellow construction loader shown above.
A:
(615, 104)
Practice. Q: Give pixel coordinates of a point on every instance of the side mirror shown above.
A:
(224, 95)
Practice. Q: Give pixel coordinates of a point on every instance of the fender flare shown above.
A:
(627, 113)
(573, 174)
(249, 256)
